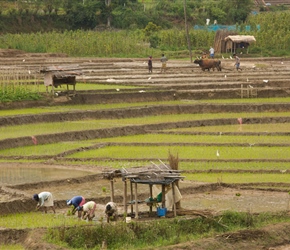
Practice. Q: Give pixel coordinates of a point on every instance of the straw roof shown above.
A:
(152, 174)
(240, 39)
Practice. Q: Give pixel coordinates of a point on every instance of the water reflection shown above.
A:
(21, 175)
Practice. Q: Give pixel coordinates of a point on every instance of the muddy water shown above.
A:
(20, 175)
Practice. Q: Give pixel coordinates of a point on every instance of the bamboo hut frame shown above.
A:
(151, 175)
(56, 76)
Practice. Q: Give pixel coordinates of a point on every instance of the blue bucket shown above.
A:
(161, 211)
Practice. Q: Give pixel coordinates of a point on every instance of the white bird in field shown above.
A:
(251, 86)
(223, 57)
(265, 81)
(23, 60)
(225, 76)
(118, 89)
(149, 78)
(247, 79)
(217, 153)
(283, 171)
(141, 91)
(29, 72)
(282, 63)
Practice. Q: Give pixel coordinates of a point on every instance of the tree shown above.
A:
(238, 10)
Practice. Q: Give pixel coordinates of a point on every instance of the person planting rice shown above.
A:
(88, 210)
(45, 200)
(75, 202)
(111, 211)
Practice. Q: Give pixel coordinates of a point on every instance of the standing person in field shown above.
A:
(111, 211)
(237, 63)
(75, 202)
(211, 52)
(163, 60)
(88, 210)
(150, 66)
(45, 200)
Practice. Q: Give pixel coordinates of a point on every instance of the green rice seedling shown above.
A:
(186, 152)
(48, 150)
(188, 138)
(57, 127)
(37, 219)
(258, 128)
(68, 108)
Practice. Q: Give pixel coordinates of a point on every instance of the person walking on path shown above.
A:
(150, 66)
(88, 210)
(75, 202)
(163, 60)
(45, 200)
(211, 52)
(237, 63)
(111, 211)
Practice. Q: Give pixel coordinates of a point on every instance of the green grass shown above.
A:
(238, 177)
(160, 233)
(37, 220)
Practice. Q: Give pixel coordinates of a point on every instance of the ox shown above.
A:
(209, 64)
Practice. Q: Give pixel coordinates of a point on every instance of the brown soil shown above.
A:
(199, 199)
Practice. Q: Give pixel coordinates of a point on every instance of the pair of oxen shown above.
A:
(209, 64)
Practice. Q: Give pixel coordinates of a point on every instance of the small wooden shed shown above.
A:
(160, 175)
(56, 76)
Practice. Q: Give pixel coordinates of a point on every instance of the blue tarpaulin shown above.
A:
(215, 27)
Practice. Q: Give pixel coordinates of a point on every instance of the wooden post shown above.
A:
(125, 198)
(136, 202)
(151, 194)
(163, 196)
(131, 196)
(112, 190)
(173, 196)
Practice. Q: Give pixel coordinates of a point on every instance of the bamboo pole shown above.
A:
(136, 203)
(173, 196)
(112, 190)
(125, 198)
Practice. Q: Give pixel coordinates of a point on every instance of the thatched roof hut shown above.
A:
(238, 41)
(228, 41)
